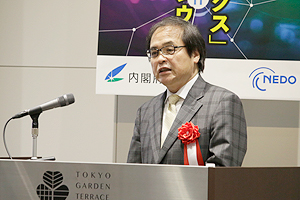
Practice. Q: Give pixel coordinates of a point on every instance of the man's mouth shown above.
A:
(164, 69)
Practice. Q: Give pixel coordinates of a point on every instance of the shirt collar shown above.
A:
(184, 90)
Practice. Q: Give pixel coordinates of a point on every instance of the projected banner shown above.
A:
(254, 42)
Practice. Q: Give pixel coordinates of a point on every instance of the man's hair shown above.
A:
(191, 37)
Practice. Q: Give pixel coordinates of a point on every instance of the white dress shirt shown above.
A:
(182, 92)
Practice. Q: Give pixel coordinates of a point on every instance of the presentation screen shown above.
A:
(253, 46)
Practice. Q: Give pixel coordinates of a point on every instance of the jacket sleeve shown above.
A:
(228, 143)
(134, 154)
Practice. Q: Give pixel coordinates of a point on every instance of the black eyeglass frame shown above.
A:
(160, 50)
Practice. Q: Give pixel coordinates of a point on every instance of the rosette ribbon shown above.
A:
(188, 133)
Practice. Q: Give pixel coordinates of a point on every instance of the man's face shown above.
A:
(174, 71)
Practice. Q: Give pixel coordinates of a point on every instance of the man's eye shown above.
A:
(169, 50)
(153, 53)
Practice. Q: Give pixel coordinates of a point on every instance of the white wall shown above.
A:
(47, 49)
(82, 131)
(49, 33)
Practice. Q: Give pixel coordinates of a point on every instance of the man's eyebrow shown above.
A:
(163, 45)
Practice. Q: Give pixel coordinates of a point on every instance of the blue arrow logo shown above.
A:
(111, 75)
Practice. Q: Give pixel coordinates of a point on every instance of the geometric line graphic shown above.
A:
(258, 30)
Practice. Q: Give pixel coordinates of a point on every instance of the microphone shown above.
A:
(61, 101)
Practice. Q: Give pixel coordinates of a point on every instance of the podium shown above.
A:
(53, 180)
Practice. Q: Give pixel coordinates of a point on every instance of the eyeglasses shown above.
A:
(167, 50)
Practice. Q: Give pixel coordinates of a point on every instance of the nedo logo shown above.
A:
(111, 75)
(264, 75)
(52, 188)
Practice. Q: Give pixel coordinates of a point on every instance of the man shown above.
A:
(176, 51)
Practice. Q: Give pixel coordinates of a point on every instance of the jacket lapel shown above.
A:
(189, 108)
(156, 122)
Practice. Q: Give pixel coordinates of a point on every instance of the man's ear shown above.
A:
(196, 56)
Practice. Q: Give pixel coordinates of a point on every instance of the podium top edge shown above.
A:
(27, 159)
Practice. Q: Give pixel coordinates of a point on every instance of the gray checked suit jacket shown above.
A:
(217, 112)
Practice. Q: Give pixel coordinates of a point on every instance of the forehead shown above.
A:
(167, 35)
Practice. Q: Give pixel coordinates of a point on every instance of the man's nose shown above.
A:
(160, 56)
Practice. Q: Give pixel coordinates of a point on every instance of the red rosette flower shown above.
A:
(188, 133)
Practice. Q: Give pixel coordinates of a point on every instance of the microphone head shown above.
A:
(66, 99)
(70, 98)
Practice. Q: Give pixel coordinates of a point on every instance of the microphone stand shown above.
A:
(35, 133)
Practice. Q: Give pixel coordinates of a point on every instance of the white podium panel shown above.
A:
(54, 180)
